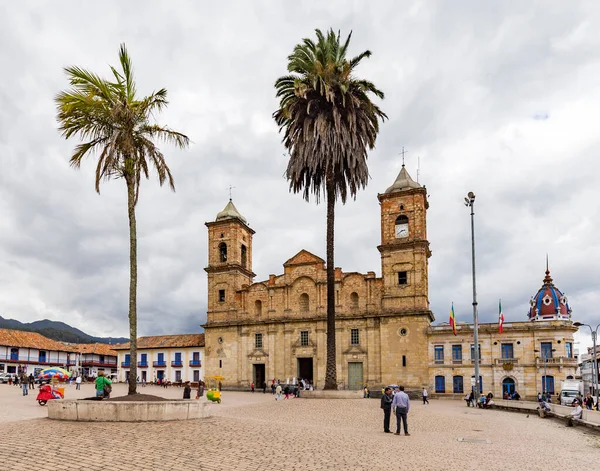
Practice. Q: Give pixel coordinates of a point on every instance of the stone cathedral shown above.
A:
(276, 328)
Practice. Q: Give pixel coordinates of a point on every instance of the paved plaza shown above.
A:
(254, 432)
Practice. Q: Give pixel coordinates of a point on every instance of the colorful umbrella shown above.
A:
(56, 372)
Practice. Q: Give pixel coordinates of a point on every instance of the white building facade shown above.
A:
(172, 358)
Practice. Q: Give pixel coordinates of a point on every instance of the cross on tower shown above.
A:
(230, 188)
(402, 154)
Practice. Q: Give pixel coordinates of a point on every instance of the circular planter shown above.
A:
(127, 411)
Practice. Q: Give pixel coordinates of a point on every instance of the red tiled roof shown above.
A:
(96, 349)
(165, 341)
(20, 338)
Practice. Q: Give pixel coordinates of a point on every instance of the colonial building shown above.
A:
(166, 357)
(276, 328)
(96, 357)
(30, 352)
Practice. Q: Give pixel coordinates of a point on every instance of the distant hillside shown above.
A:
(58, 331)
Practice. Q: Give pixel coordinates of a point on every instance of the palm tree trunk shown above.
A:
(132, 286)
(330, 371)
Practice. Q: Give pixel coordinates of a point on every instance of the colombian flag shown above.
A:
(453, 319)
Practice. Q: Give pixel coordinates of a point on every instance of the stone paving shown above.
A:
(255, 432)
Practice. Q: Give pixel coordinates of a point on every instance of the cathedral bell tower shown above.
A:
(404, 247)
(229, 261)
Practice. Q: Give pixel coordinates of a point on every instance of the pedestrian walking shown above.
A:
(386, 405)
(78, 383)
(264, 387)
(24, 384)
(425, 395)
(252, 386)
(278, 392)
(31, 381)
(401, 404)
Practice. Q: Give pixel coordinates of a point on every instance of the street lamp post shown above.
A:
(470, 202)
(595, 363)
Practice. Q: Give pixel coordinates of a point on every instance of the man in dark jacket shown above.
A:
(386, 405)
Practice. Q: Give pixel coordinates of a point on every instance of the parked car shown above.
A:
(4, 377)
(40, 380)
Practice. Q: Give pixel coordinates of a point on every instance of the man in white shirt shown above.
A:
(401, 404)
(78, 382)
(425, 394)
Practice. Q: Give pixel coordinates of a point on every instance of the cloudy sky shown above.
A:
(499, 98)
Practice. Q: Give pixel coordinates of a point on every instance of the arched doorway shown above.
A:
(508, 386)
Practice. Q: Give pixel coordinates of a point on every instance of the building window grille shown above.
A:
(457, 353)
(546, 349)
(439, 354)
(304, 338)
(258, 341)
(507, 350)
(354, 337)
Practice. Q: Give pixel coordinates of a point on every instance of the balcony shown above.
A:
(142, 364)
(109, 364)
(159, 364)
(457, 361)
(506, 361)
(559, 361)
(176, 364)
(125, 364)
(14, 357)
(195, 363)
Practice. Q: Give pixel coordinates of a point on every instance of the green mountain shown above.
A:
(58, 331)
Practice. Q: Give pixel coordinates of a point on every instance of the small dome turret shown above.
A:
(549, 302)
(403, 182)
(230, 212)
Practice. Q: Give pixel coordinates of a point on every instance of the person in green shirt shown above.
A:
(101, 382)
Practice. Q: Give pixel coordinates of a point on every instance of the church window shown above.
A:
(402, 278)
(222, 252)
(439, 353)
(457, 353)
(244, 256)
(354, 337)
(258, 343)
(304, 338)
(402, 219)
(258, 307)
(507, 350)
(304, 302)
(221, 295)
(403, 360)
(354, 300)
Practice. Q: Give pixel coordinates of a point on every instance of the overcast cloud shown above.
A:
(499, 98)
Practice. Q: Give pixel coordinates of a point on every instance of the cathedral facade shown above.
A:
(276, 328)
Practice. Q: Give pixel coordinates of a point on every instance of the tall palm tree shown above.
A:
(330, 122)
(119, 128)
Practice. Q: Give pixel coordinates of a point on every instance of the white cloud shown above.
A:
(463, 81)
